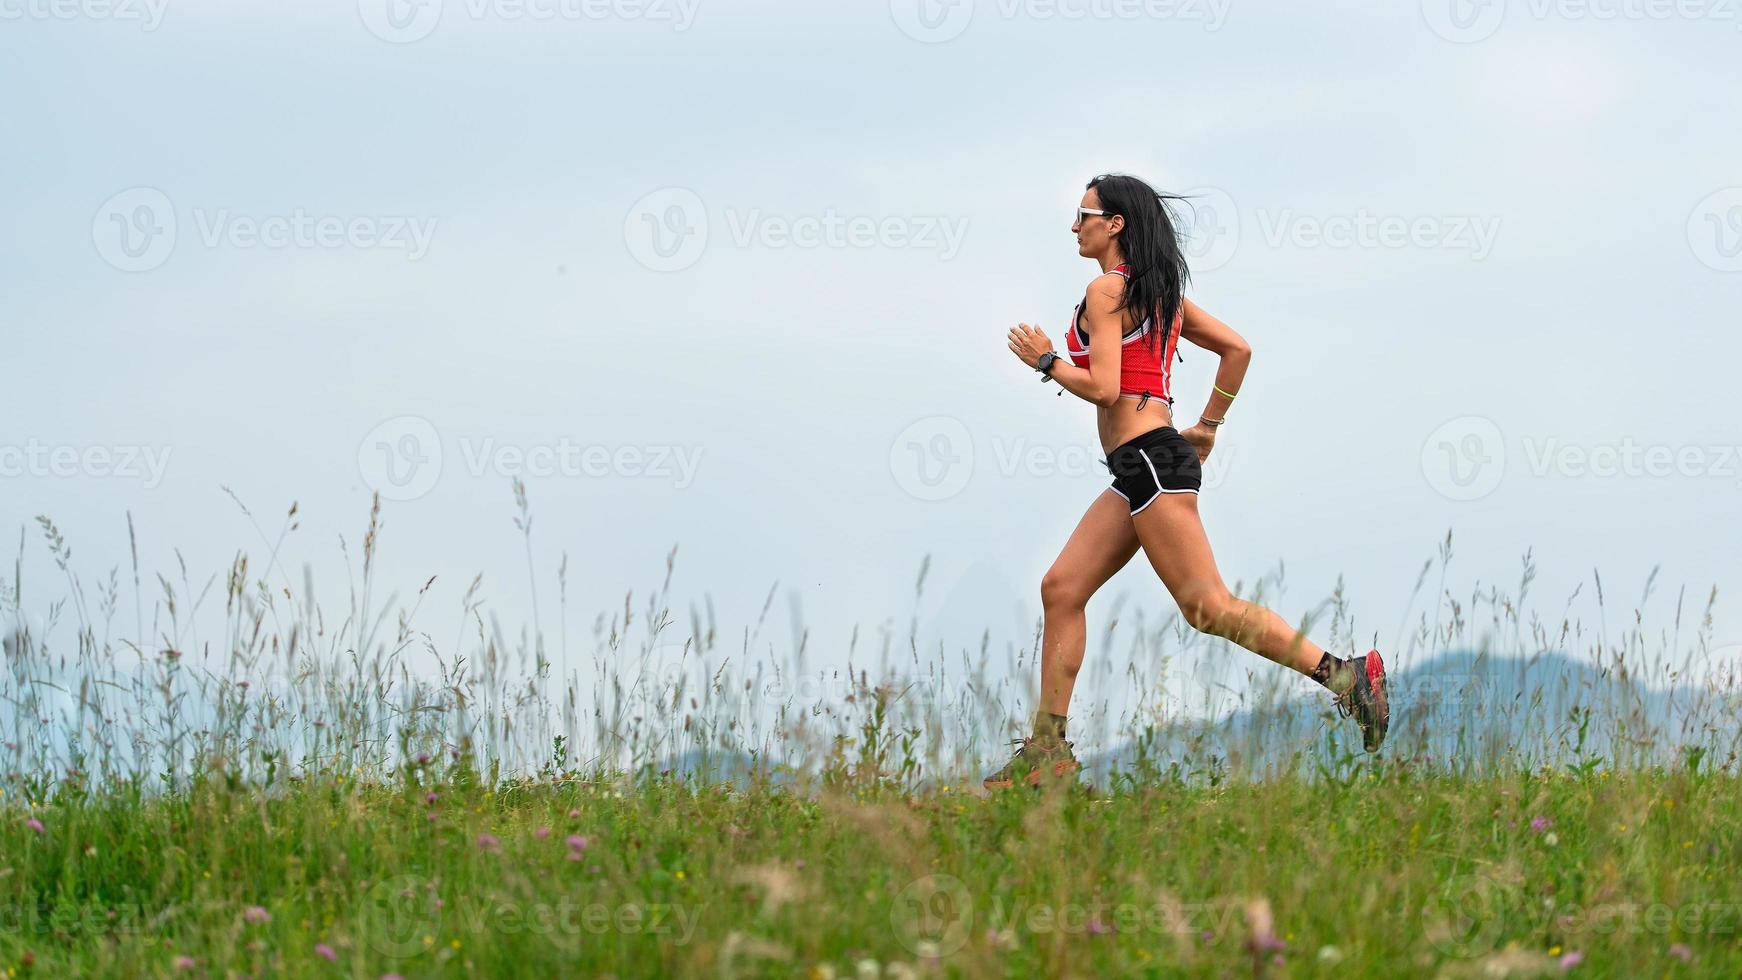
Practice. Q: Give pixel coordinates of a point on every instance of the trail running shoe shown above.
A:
(1366, 700)
(1035, 759)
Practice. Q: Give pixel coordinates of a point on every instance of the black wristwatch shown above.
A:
(1044, 366)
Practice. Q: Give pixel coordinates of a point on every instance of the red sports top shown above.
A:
(1143, 369)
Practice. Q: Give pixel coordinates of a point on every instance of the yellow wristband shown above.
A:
(1227, 394)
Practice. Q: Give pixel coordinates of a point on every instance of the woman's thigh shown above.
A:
(1173, 539)
(1103, 543)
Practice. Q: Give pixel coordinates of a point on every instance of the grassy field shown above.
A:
(269, 789)
(1378, 872)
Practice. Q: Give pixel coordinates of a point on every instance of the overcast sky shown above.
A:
(735, 277)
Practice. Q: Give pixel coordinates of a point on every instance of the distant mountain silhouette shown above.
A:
(1462, 707)
(1458, 709)
(716, 766)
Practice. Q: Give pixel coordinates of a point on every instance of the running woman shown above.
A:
(1120, 350)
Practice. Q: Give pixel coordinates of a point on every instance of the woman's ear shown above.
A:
(1116, 224)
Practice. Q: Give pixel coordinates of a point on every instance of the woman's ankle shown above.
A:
(1048, 725)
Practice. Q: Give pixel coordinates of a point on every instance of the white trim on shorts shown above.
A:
(1153, 499)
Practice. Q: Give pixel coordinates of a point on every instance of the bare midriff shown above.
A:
(1124, 421)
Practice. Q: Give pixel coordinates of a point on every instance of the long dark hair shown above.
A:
(1150, 241)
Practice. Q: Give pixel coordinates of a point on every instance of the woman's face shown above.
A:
(1096, 233)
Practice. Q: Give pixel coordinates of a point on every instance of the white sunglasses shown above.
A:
(1084, 212)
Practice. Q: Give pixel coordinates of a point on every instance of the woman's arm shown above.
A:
(1099, 382)
(1217, 337)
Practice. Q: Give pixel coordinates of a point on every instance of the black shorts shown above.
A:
(1156, 462)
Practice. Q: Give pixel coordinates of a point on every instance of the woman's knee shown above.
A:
(1061, 591)
(1216, 613)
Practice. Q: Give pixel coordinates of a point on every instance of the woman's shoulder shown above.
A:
(1108, 284)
